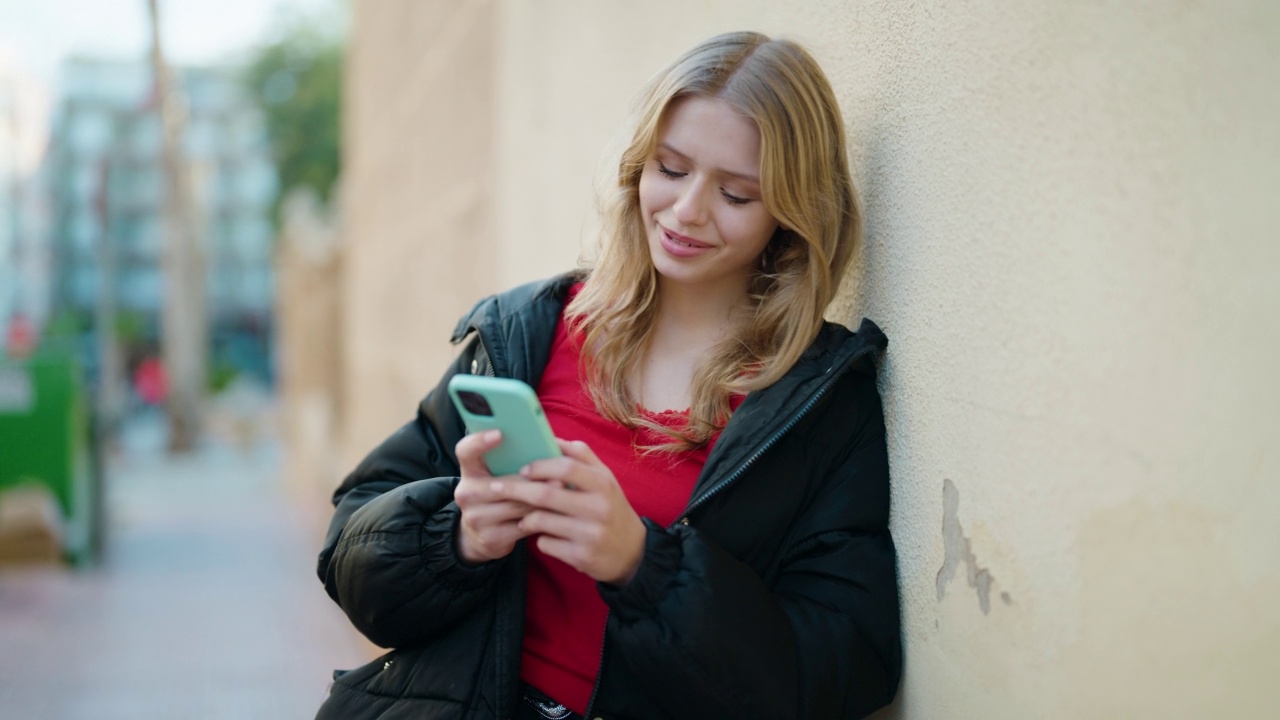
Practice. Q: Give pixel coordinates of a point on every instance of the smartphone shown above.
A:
(510, 406)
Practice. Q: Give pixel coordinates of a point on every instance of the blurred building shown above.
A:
(107, 189)
(23, 256)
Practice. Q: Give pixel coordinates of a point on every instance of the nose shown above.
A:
(690, 207)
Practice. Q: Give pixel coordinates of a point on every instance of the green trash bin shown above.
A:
(45, 437)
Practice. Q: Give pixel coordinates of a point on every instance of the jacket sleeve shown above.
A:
(389, 558)
(703, 629)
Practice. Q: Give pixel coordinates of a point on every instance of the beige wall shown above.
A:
(1071, 244)
(419, 164)
(309, 342)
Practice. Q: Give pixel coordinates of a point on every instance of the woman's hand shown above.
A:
(489, 527)
(579, 514)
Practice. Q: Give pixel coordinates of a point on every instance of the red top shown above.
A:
(564, 614)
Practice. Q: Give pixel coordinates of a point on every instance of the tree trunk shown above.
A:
(184, 322)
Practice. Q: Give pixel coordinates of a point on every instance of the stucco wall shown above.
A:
(419, 162)
(1070, 242)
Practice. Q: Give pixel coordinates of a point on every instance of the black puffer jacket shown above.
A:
(774, 596)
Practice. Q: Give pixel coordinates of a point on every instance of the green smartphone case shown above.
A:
(514, 409)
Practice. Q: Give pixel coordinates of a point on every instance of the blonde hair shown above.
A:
(805, 184)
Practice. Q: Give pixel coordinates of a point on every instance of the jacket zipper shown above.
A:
(482, 352)
(604, 643)
(523, 571)
(773, 439)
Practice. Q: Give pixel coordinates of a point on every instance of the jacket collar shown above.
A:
(494, 309)
(516, 327)
(767, 415)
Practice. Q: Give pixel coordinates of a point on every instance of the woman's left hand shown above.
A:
(580, 515)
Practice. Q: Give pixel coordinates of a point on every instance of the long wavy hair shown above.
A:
(805, 185)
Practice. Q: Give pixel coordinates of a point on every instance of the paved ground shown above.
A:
(206, 604)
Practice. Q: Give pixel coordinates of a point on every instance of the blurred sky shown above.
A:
(37, 34)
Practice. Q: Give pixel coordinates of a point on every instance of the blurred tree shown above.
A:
(297, 78)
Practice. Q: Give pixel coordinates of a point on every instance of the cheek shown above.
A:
(648, 194)
(752, 230)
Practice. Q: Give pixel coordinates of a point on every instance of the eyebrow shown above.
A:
(740, 176)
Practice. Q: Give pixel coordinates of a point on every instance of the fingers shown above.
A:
(479, 541)
(579, 451)
(545, 523)
(492, 513)
(608, 553)
(570, 553)
(549, 496)
(489, 528)
(578, 513)
(471, 449)
(577, 469)
(563, 471)
(490, 523)
(473, 492)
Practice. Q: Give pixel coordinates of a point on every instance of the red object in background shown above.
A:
(150, 381)
(20, 338)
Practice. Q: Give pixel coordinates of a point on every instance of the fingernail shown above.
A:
(492, 435)
(495, 486)
(525, 471)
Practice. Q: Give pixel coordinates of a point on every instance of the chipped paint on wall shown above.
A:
(959, 551)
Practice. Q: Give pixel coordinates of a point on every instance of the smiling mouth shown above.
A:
(683, 241)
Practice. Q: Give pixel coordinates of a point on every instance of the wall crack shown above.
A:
(958, 551)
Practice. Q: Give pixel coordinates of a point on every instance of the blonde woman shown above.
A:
(714, 541)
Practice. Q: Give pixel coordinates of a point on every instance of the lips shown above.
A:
(681, 245)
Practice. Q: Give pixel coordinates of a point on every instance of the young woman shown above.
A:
(713, 542)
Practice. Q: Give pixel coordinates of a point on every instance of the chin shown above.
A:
(678, 274)
(669, 268)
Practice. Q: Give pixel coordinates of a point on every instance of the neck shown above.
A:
(690, 320)
(699, 311)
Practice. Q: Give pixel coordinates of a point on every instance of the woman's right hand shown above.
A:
(490, 525)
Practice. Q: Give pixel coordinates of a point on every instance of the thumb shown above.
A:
(578, 450)
(471, 450)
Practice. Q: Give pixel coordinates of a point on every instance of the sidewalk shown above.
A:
(206, 604)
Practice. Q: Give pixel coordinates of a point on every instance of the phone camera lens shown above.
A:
(474, 403)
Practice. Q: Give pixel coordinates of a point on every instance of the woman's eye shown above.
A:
(734, 199)
(668, 171)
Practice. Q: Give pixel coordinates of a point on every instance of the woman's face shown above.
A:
(700, 197)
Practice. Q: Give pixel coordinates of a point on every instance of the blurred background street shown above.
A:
(205, 602)
(157, 546)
